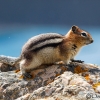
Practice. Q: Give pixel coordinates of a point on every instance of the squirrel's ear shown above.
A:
(74, 28)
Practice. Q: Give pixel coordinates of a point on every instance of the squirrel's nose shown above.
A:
(92, 41)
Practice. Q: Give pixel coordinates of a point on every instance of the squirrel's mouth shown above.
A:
(90, 42)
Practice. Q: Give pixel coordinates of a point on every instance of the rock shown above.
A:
(61, 89)
(76, 81)
(8, 60)
(5, 67)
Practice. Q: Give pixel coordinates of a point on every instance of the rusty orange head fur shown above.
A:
(79, 36)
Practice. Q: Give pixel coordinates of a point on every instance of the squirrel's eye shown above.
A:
(83, 34)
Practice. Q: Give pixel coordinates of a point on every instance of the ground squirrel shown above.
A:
(45, 49)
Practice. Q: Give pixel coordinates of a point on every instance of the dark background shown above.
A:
(22, 19)
(56, 12)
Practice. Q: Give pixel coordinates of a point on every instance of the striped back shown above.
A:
(41, 41)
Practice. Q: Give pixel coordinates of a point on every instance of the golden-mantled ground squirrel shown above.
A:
(49, 48)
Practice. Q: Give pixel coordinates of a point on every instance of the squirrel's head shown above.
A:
(79, 35)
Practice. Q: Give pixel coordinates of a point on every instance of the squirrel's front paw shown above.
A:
(27, 75)
(60, 63)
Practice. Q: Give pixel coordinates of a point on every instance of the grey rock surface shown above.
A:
(77, 81)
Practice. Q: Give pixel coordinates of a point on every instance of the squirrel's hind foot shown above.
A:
(27, 75)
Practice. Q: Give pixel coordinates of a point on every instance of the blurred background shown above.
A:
(22, 19)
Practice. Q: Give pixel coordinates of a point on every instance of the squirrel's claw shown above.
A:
(80, 61)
